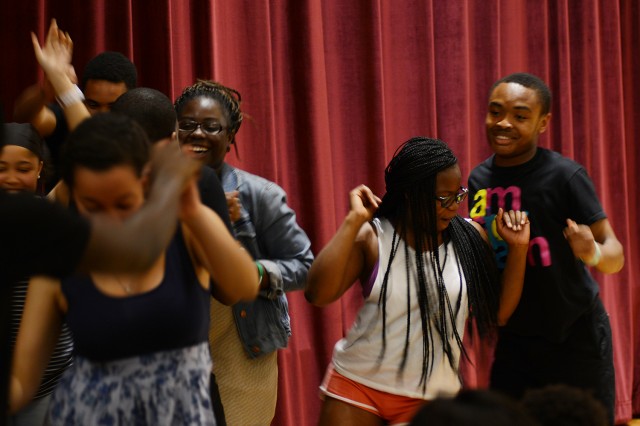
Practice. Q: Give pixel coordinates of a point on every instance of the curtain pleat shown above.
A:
(331, 88)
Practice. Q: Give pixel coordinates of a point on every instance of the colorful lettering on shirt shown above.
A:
(485, 205)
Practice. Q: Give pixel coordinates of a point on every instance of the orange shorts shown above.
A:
(395, 409)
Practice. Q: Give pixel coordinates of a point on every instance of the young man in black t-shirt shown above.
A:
(106, 76)
(560, 332)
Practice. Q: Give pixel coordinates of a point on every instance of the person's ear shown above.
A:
(145, 178)
(232, 141)
(544, 122)
(40, 166)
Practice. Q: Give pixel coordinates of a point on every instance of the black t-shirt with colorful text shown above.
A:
(558, 288)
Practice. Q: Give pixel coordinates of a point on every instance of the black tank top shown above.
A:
(173, 315)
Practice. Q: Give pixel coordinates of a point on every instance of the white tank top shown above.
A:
(356, 355)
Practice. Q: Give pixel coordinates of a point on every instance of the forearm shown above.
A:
(230, 265)
(29, 104)
(337, 266)
(137, 243)
(288, 272)
(75, 113)
(40, 327)
(17, 399)
(611, 259)
(512, 282)
(31, 107)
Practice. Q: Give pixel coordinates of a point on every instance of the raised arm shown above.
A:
(31, 107)
(55, 58)
(234, 274)
(39, 330)
(349, 255)
(137, 243)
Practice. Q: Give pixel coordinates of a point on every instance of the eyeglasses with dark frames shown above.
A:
(446, 202)
(208, 127)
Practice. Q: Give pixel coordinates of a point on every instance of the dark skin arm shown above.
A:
(513, 228)
(31, 105)
(349, 255)
(54, 57)
(583, 238)
(135, 244)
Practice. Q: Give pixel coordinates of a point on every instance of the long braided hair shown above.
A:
(409, 204)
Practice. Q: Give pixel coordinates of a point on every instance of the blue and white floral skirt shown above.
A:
(164, 388)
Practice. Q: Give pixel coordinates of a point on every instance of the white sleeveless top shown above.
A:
(356, 355)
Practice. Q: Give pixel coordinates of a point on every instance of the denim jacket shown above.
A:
(267, 228)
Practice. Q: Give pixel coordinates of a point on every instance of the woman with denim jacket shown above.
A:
(244, 338)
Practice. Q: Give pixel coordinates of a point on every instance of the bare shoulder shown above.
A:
(367, 234)
(479, 228)
(367, 241)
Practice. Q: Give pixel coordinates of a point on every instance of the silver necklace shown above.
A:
(125, 287)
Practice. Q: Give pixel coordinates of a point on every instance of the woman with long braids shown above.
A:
(423, 271)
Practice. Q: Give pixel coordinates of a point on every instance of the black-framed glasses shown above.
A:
(208, 127)
(446, 202)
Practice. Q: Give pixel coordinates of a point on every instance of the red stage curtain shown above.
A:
(333, 87)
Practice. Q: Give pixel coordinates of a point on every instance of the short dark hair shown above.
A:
(529, 81)
(26, 136)
(102, 142)
(151, 109)
(564, 405)
(473, 408)
(113, 67)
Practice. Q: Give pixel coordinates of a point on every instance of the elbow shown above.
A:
(248, 294)
(611, 267)
(503, 316)
(619, 264)
(312, 296)
(502, 320)
(230, 297)
(17, 398)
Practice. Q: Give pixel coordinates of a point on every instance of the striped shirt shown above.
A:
(61, 358)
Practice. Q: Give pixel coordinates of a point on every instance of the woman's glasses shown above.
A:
(446, 202)
(190, 126)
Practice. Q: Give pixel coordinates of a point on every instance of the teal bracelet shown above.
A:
(260, 272)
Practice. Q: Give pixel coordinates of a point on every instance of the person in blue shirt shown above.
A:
(245, 338)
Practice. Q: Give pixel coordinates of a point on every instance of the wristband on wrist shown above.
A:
(70, 97)
(596, 257)
(260, 272)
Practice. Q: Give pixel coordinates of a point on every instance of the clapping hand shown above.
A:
(55, 55)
